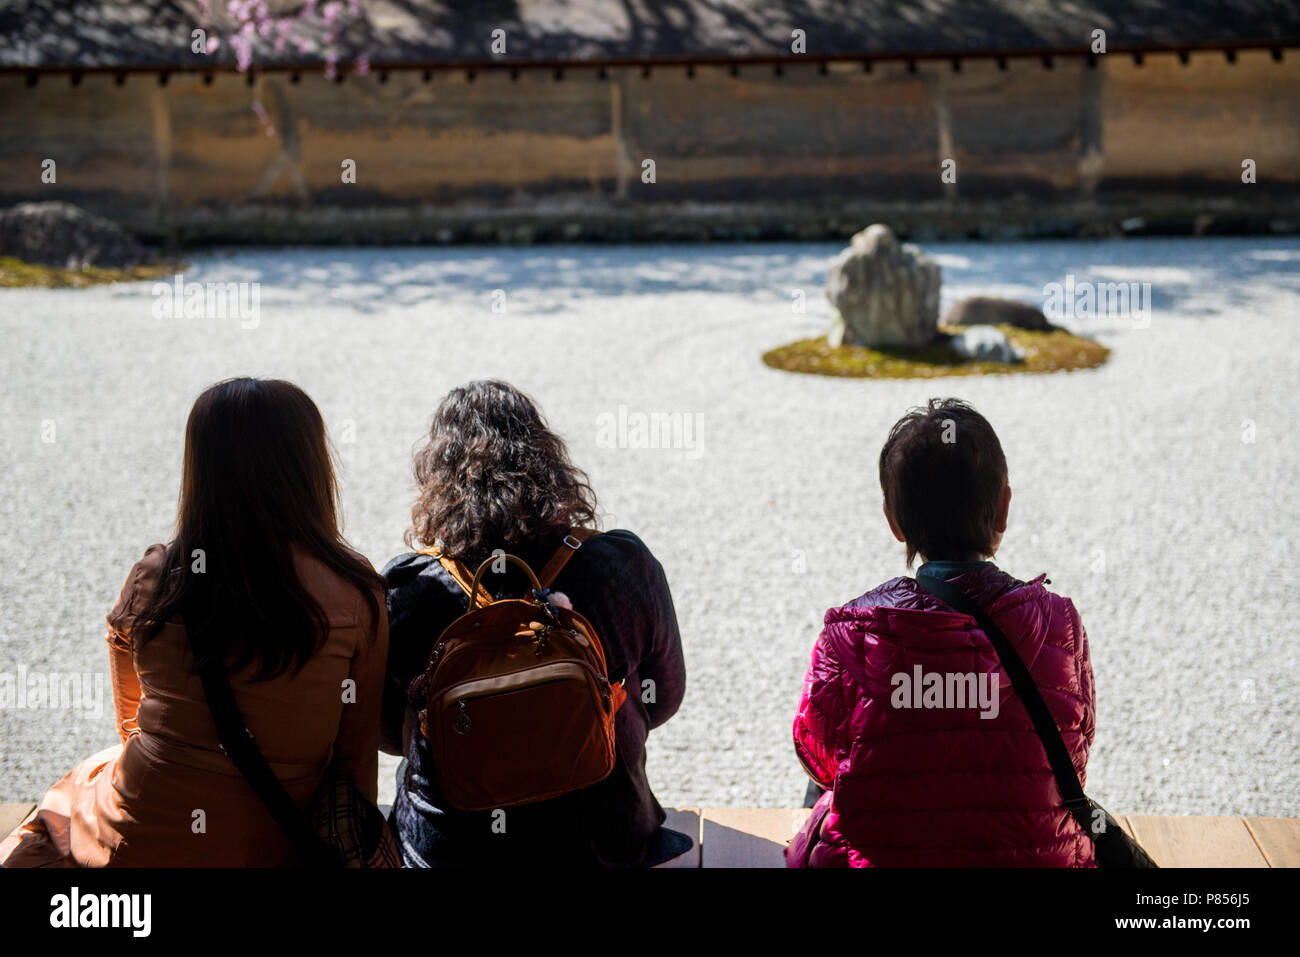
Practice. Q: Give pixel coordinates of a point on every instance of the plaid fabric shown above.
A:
(352, 826)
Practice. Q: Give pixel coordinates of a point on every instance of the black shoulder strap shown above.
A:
(1067, 779)
(237, 742)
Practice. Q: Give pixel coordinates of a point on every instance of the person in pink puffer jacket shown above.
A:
(908, 723)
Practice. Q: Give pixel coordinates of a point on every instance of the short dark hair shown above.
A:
(942, 471)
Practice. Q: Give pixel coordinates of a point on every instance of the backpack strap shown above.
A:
(463, 577)
(459, 573)
(572, 542)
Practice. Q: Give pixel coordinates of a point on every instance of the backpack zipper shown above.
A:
(440, 655)
(482, 687)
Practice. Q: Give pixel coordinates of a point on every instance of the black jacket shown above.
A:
(619, 587)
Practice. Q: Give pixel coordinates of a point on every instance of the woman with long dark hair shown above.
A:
(493, 476)
(258, 563)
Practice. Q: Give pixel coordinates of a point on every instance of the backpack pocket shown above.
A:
(496, 739)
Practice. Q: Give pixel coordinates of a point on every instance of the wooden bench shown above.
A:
(756, 837)
(11, 815)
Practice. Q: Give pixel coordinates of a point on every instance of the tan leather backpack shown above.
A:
(518, 703)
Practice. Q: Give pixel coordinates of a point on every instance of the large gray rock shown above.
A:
(991, 311)
(60, 234)
(886, 294)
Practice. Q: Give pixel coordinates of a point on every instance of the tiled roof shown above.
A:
(157, 33)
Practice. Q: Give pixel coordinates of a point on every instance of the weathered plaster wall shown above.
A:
(436, 158)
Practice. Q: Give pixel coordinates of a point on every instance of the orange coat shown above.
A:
(167, 795)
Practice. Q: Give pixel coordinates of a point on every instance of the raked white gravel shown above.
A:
(1159, 491)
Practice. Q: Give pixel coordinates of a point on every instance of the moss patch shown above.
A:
(14, 273)
(1054, 351)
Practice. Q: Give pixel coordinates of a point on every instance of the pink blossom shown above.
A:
(243, 51)
(260, 110)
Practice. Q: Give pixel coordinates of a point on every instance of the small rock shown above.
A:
(887, 294)
(985, 344)
(991, 311)
(61, 234)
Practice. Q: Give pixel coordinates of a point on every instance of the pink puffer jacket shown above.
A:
(912, 783)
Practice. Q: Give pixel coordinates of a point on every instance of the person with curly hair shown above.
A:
(494, 478)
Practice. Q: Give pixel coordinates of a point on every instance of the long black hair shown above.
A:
(258, 479)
